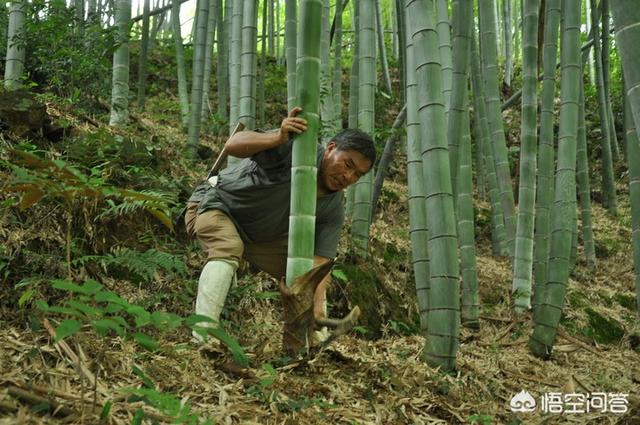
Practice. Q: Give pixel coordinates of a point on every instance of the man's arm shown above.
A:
(320, 296)
(248, 143)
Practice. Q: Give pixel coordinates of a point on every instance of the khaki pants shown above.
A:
(219, 238)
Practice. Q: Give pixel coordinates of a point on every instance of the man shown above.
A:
(246, 214)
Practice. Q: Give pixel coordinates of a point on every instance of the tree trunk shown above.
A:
(626, 15)
(208, 59)
(290, 40)
(249, 65)
(234, 66)
(506, 22)
(120, 81)
(326, 93)
(337, 69)
(144, 53)
(382, 48)
(14, 63)
(633, 159)
(608, 180)
(606, 76)
(470, 302)
(544, 186)
(353, 98)
(523, 259)
(494, 115)
(483, 143)
(303, 165)
(263, 63)
(584, 188)
(222, 67)
(199, 47)
(386, 158)
(417, 204)
(444, 300)
(183, 93)
(444, 45)
(366, 95)
(564, 208)
(462, 17)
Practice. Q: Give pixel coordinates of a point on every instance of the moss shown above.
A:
(363, 287)
(379, 305)
(577, 299)
(604, 330)
(626, 301)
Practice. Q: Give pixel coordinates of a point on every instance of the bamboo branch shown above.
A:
(52, 406)
(74, 360)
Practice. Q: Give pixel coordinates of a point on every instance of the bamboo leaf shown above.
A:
(146, 341)
(67, 328)
(102, 326)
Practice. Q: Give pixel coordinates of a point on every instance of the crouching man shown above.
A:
(246, 214)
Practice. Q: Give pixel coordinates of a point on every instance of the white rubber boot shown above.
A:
(213, 287)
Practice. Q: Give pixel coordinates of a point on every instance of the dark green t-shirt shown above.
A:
(255, 193)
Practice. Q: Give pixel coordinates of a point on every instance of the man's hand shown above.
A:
(291, 124)
(247, 143)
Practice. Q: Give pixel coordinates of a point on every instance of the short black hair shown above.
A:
(358, 140)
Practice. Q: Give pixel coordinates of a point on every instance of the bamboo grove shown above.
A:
(454, 61)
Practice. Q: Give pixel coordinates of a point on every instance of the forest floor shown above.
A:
(372, 376)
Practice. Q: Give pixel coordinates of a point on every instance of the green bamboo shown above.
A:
(222, 67)
(290, 37)
(337, 68)
(303, 165)
(366, 95)
(14, 63)
(516, 33)
(144, 53)
(444, 296)
(462, 16)
(608, 180)
(183, 94)
(272, 31)
(195, 110)
(444, 46)
(234, 66)
(492, 98)
(469, 301)
(208, 59)
(564, 208)
(573, 257)
(120, 80)
(248, 65)
(263, 63)
(382, 49)
(402, 49)
(626, 16)
(506, 31)
(606, 76)
(544, 186)
(584, 189)
(417, 203)
(523, 259)
(277, 34)
(498, 235)
(353, 99)
(633, 159)
(326, 77)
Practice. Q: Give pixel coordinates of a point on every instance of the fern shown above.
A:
(143, 265)
(36, 178)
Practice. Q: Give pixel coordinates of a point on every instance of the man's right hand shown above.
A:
(291, 125)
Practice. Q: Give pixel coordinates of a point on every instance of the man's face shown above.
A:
(341, 168)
